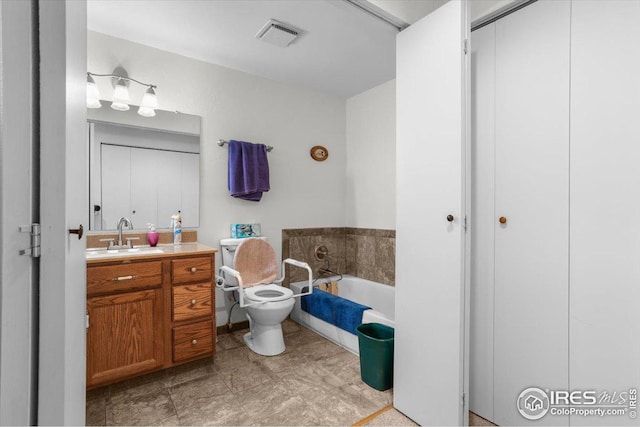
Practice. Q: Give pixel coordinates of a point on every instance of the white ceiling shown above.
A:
(343, 50)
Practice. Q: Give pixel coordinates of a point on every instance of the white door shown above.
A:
(63, 205)
(18, 189)
(532, 194)
(605, 205)
(432, 73)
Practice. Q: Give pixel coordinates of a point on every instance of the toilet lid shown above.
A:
(268, 293)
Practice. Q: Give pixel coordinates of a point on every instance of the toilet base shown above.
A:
(265, 340)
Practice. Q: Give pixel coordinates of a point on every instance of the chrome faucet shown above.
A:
(124, 221)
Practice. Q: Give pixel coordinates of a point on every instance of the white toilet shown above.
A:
(249, 266)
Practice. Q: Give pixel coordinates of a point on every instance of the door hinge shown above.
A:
(86, 321)
(34, 231)
(463, 397)
(466, 46)
(465, 223)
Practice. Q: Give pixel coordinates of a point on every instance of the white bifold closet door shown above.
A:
(429, 372)
(116, 184)
(519, 268)
(483, 219)
(532, 194)
(605, 201)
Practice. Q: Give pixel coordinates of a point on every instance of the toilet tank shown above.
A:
(228, 253)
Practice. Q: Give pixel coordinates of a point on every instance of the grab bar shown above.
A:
(298, 264)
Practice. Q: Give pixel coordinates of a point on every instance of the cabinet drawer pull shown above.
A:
(117, 279)
(193, 302)
(193, 269)
(194, 342)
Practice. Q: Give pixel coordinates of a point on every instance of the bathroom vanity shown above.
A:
(148, 309)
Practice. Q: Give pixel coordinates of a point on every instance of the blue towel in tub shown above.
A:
(248, 170)
(338, 311)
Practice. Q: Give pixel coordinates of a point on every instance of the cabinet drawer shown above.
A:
(190, 301)
(192, 340)
(191, 270)
(123, 277)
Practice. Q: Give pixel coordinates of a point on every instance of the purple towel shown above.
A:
(248, 170)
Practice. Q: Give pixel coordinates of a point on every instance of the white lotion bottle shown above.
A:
(177, 229)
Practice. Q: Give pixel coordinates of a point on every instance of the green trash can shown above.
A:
(376, 355)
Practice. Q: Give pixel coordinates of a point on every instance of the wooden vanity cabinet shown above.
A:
(148, 314)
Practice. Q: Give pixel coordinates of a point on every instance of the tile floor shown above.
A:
(314, 382)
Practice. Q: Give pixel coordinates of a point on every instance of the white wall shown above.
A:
(371, 158)
(236, 105)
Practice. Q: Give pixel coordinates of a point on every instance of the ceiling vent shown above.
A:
(277, 33)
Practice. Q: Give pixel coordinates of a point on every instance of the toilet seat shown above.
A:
(268, 293)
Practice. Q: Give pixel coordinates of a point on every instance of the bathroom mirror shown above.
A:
(143, 168)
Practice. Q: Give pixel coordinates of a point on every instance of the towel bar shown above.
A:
(221, 143)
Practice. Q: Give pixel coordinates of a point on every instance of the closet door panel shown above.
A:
(169, 186)
(482, 220)
(532, 193)
(144, 187)
(116, 184)
(605, 204)
(190, 190)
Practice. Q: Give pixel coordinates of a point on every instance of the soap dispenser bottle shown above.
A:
(177, 229)
(152, 235)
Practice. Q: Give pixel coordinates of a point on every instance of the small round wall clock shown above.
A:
(319, 153)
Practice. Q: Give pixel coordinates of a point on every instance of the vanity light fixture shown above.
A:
(121, 98)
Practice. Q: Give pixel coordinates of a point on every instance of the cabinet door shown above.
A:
(605, 206)
(532, 193)
(432, 73)
(116, 184)
(125, 335)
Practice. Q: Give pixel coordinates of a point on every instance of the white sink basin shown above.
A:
(107, 253)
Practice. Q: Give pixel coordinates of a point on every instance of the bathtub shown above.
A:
(376, 295)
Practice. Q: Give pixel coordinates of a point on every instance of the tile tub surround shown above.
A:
(362, 252)
(314, 382)
(165, 237)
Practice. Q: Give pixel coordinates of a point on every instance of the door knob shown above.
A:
(450, 218)
(79, 231)
(502, 220)
(193, 269)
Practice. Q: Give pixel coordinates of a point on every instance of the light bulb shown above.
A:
(93, 94)
(150, 100)
(149, 103)
(121, 96)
